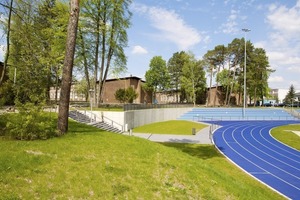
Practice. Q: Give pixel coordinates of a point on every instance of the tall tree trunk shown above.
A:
(255, 97)
(101, 78)
(102, 68)
(56, 84)
(210, 84)
(109, 57)
(96, 61)
(7, 44)
(105, 76)
(227, 86)
(217, 88)
(231, 85)
(63, 113)
(85, 63)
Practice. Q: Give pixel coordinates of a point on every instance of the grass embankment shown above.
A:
(174, 127)
(285, 134)
(90, 164)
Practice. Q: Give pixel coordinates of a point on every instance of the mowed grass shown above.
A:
(286, 135)
(90, 164)
(174, 127)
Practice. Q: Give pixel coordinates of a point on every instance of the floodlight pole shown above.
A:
(245, 60)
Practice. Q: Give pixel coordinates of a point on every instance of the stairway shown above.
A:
(82, 118)
(79, 117)
(106, 127)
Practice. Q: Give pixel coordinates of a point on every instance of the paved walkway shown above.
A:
(201, 137)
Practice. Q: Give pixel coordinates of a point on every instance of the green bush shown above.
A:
(126, 95)
(30, 123)
(6, 94)
(3, 121)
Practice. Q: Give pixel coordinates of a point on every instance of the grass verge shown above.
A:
(90, 164)
(285, 134)
(174, 127)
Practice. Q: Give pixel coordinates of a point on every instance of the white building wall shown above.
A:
(282, 93)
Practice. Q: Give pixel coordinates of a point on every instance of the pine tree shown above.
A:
(289, 98)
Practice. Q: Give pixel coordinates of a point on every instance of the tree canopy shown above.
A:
(157, 77)
(290, 96)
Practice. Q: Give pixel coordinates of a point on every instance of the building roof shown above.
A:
(125, 78)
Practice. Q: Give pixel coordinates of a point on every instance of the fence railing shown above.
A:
(212, 128)
(220, 118)
(294, 112)
(95, 119)
(128, 107)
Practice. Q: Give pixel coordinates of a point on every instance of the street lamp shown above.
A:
(245, 60)
(91, 92)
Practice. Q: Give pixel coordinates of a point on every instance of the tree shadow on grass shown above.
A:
(197, 150)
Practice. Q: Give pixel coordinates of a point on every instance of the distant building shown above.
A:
(167, 97)
(109, 90)
(112, 85)
(279, 94)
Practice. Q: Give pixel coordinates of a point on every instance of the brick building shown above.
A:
(112, 85)
(110, 88)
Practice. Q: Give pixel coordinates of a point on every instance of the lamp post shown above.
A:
(245, 60)
(91, 92)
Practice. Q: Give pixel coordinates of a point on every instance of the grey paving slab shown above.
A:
(201, 137)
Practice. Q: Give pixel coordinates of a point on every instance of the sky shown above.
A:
(164, 27)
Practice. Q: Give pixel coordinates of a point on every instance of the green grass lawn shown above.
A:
(174, 127)
(90, 164)
(285, 135)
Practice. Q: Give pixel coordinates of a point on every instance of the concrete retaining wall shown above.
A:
(135, 118)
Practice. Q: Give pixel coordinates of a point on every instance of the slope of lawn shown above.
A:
(285, 135)
(90, 164)
(174, 127)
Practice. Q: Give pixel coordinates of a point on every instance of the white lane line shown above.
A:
(277, 152)
(279, 147)
(284, 181)
(257, 156)
(286, 150)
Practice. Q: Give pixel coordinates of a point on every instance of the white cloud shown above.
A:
(231, 25)
(294, 69)
(285, 20)
(283, 46)
(260, 44)
(139, 50)
(276, 79)
(171, 26)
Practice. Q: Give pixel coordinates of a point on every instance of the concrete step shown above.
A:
(82, 118)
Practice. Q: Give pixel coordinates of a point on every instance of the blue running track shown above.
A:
(250, 146)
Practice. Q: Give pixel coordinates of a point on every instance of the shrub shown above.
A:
(126, 95)
(6, 94)
(30, 123)
(3, 121)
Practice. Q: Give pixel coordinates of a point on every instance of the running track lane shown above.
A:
(250, 146)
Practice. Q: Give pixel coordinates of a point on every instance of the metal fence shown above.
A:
(226, 118)
(128, 107)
